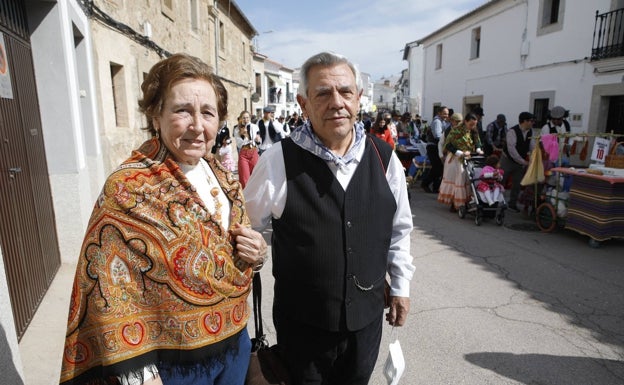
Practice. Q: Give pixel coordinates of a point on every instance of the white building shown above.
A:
(366, 101)
(509, 56)
(274, 86)
(412, 96)
(384, 94)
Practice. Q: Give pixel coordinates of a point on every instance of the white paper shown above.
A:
(395, 363)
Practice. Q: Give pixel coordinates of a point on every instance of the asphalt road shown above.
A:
(504, 304)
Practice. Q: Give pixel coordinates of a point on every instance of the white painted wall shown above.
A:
(66, 87)
(515, 60)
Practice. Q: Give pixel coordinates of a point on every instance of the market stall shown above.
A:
(595, 204)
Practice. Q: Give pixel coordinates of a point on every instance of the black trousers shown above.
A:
(435, 173)
(320, 357)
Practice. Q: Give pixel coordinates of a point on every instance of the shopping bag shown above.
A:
(395, 363)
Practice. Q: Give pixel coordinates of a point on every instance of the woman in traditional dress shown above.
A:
(461, 141)
(161, 285)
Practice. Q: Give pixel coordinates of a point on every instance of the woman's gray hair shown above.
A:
(325, 59)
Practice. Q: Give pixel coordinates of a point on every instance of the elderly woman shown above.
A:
(461, 141)
(161, 286)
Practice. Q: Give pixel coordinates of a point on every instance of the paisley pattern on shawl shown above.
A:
(155, 272)
(462, 139)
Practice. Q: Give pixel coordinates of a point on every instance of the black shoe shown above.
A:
(513, 208)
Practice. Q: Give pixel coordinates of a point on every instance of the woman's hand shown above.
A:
(250, 245)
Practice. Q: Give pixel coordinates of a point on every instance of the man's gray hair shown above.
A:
(325, 59)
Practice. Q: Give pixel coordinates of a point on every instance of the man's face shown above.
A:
(332, 101)
(527, 124)
(444, 114)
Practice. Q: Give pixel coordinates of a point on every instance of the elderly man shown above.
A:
(341, 220)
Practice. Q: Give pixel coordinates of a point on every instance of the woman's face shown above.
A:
(245, 119)
(470, 124)
(189, 120)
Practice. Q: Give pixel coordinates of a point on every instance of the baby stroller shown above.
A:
(475, 205)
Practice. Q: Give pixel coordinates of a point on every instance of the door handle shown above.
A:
(14, 171)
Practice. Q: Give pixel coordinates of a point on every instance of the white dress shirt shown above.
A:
(265, 196)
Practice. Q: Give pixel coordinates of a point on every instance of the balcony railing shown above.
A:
(608, 35)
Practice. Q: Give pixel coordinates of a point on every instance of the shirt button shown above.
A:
(349, 225)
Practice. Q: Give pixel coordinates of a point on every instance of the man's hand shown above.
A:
(399, 308)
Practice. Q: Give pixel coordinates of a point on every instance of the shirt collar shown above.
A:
(305, 138)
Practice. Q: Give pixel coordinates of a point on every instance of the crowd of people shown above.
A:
(451, 138)
(448, 139)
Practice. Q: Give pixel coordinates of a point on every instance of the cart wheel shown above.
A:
(594, 244)
(478, 219)
(546, 217)
(500, 218)
(461, 212)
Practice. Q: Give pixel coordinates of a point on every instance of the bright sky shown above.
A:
(371, 33)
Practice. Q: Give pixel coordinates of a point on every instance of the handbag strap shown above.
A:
(257, 305)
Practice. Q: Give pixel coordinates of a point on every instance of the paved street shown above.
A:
(490, 305)
(497, 305)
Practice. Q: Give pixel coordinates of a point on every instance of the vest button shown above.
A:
(349, 225)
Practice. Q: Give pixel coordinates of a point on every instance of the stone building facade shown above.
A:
(130, 36)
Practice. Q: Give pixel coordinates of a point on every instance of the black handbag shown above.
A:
(266, 364)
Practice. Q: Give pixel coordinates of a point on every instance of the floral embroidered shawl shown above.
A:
(155, 281)
(461, 139)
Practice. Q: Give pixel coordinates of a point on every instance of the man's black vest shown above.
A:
(275, 137)
(330, 246)
(522, 144)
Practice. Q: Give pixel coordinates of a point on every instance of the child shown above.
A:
(489, 188)
(225, 153)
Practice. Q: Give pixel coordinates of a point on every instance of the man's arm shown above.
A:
(265, 192)
(400, 267)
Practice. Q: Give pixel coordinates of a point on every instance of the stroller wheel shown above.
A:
(500, 217)
(478, 219)
(461, 211)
